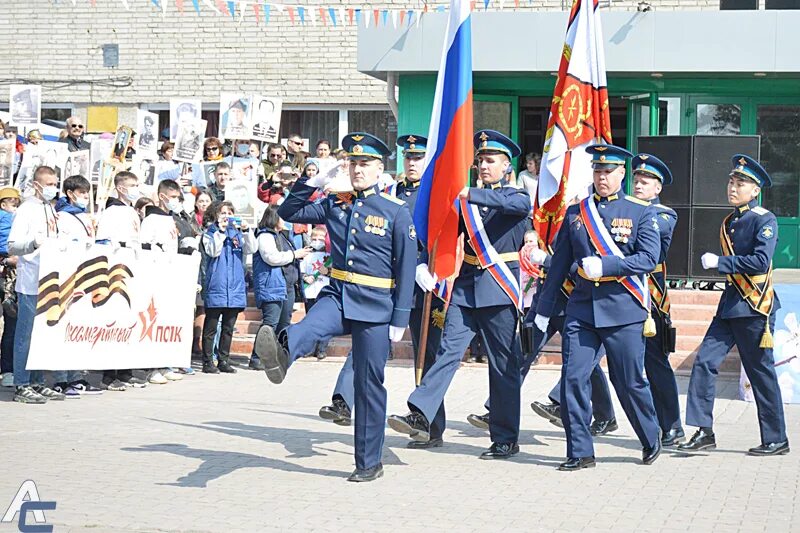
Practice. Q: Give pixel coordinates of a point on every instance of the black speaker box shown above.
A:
(711, 165)
(678, 256)
(705, 222)
(676, 152)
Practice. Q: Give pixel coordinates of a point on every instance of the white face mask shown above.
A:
(81, 202)
(132, 194)
(174, 205)
(318, 245)
(49, 192)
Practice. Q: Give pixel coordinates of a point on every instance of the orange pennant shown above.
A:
(290, 9)
(323, 16)
(350, 15)
(179, 5)
(257, 11)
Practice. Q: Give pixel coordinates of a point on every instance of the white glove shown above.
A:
(189, 242)
(709, 260)
(538, 256)
(323, 177)
(425, 280)
(396, 334)
(593, 266)
(541, 322)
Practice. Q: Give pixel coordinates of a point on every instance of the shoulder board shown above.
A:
(636, 200)
(758, 210)
(392, 198)
(664, 207)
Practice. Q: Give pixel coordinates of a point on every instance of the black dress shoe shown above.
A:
(433, 443)
(577, 463)
(672, 437)
(414, 424)
(226, 368)
(773, 448)
(272, 354)
(479, 421)
(501, 451)
(210, 369)
(703, 439)
(601, 427)
(548, 411)
(649, 455)
(255, 364)
(338, 412)
(361, 475)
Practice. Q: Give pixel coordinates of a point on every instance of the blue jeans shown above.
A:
(26, 312)
(277, 315)
(67, 376)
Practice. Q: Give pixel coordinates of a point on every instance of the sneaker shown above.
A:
(210, 369)
(26, 394)
(171, 375)
(116, 386)
(156, 378)
(49, 393)
(8, 380)
(136, 383)
(66, 389)
(85, 388)
(189, 371)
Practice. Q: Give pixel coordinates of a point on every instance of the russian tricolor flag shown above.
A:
(450, 152)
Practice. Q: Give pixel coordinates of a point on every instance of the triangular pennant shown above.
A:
(376, 14)
(394, 19)
(179, 5)
(313, 16)
(485, 5)
(93, 3)
(125, 4)
(384, 16)
(196, 4)
(232, 8)
(242, 9)
(266, 14)
(341, 16)
(257, 13)
(516, 4)
(402, 17)
(322, 16)
(222, 8)
(302, 12)
(440, 9)
(279, 7)
(357, 13)
(502, 4)
(332, 13)
(290, 10)
(155, 3)
(210, 4)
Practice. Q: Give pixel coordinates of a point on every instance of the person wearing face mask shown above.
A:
(119, 225)
(315, 268)
(275, 274)
(34, 222)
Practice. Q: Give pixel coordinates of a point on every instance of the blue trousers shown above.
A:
(26, 312)
(758, 364)
(370, 352)
(277, 315)
(344, 383)
(625, 352)
(498, 326)
(602, 408)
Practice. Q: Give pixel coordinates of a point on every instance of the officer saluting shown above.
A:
(614, 239)
(414, 148)
(745, 315)
(373, 252)
(485, 299)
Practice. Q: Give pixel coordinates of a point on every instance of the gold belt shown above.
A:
(582, 273)
(505, 258)
(362, 279)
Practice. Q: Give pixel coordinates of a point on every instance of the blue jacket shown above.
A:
(372, 234)
(269, 284)
(5, 228)
(224, 283)
(606, 303)
(754, 234)
(506, 217)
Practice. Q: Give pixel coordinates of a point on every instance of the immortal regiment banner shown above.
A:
(786, 352)
(579, 117)
(265, 116)
(109, 308)
(26, 104)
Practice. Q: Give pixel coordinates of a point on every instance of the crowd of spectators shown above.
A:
(280, 267)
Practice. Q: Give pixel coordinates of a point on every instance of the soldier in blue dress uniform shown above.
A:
(414, 148)
(373, 252)
(609, 305)
(479, 302)
(745, 315)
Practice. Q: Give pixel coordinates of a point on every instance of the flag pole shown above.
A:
(426, 319)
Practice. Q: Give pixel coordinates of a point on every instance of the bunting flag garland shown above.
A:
(155, 3)
(266, 13)
(376, 14)
(332, 13)
(322, 16)
(402, 17)
(290, 10)
(350, 13)
(256, 12)
(179, 5)
(302, 12)
(222, 8)
(358, 17)
(196, 4)
(232, 8)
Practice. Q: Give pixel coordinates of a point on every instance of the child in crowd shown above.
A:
(528, 272)
(226, 243)
(315, 268)
(9, 201)
(275, 275)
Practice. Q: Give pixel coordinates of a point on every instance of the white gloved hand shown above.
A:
(396, 334)
(425, 280)
(323, 177)
(538, 256)
(593, 266)
(189, 242)
(709, 260)
(541, 322)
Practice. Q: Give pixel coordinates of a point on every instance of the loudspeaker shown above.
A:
(711, 165)
(705, 223)
(677, 152)
(678, 256)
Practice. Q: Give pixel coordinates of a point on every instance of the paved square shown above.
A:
(236, 453)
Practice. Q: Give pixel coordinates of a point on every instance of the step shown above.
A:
(242, 344)
(691, 297)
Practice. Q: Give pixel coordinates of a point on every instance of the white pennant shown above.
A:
(126, 5)
(419, 17)
(210, 4)
(394, 18)
(242, 9)
(368, 13)
(312, 13)
(342, 20)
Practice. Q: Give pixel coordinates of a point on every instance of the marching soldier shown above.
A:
(614, 240)
(485, 299)
(414, 148)
(745, 315)
(373, 251)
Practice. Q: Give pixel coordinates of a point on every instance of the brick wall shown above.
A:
(199, 55)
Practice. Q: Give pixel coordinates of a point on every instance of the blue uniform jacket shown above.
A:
(390, 255)
(666, 218)
(754, 234)
(506, 217)
(607, 303)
